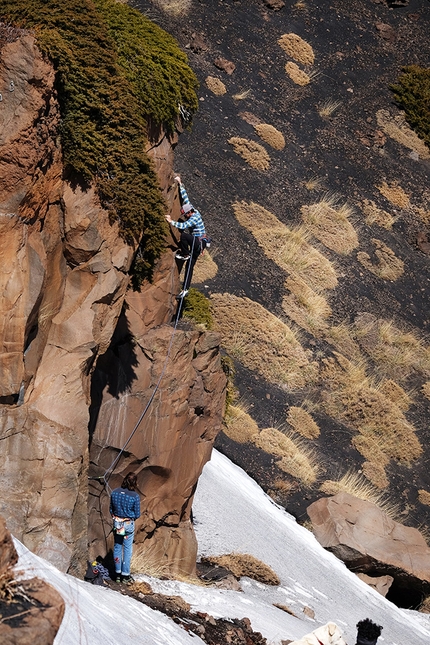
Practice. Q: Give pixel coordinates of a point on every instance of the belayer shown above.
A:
(124, 509)
(193, 242)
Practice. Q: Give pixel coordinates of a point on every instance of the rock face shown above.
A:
(64, 282)
(367, 540)
(40, 606)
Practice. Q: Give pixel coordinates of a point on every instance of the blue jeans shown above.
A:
(122, 549)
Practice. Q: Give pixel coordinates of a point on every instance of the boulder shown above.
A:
(31, 611)
(381, 584)
(368, 541)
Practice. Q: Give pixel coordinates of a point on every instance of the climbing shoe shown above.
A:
(182, 294)
(179, 256)
(126, 580)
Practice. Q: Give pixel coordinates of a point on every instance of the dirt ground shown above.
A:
(334, 143)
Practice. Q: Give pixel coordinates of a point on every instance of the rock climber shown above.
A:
(124, 509)
(193, 242)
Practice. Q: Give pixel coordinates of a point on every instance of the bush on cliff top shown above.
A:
(104, 105)
(412, 93)
(197, 308)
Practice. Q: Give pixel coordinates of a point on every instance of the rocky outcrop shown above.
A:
(64, 282)
(31, 610)
(368, 541)
(381, 584)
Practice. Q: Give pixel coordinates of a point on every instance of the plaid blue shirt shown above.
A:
(195, 222)
(125, 503)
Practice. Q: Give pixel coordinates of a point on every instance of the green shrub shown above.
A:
(196, 307)
(104, 106)
(412, 93)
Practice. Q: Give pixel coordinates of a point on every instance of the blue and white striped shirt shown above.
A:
(195, 222)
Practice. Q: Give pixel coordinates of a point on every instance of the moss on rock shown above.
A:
(106, 93)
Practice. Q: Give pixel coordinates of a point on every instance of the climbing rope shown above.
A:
(108, 472)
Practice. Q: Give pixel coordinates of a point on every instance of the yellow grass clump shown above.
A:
(295, 459)
(244, 564)
(342, 337)
(389, 266)
(397, 353)
(314, 183)
(270, 135)
(328, 108)
(348, 397)
(254, 154)
(307, 308)
(375, 215)
(356, 485)
(239, 425)
(297, 75)
(261, 341)
(330, 225)
(375, 473)
(395, 194)
(205, 268)
(424, 497)
(288, 248)
(426, 389)
(215, 85)
(397, 128)
(392, 391)
(173, 7)
(297, 48)
(423, 214)
(302, 422)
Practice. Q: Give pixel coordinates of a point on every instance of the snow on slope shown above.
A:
(99, 616)
(232, 513)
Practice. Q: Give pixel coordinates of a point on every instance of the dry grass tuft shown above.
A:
(288, 248)
(297, 48)
(261, 342)
(348, 397)
(328, 108)
(423, 214)
(284, 607)
(306, 307)
(240, 96)
(215, 85)
(424, 608)
(424, 497)
(239, 425)
(426, 389)
(270, 135)
(244, 564)
(397, 128)
(173, 7)
(395, 194)
(397, 353)
(314, 183)
(141, 587)
(375, 473)
(342, 337)
(254, 154)
(302, 423)
(356, 485)
(283, 487)
(329, 224)
(389, 266)
(297, 75)
(296, 459)
(375, 215)
(396, 394)
(205, 268)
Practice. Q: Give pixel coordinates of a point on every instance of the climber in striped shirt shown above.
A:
(193, 242)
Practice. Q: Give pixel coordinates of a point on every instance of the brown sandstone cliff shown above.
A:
(63, 353)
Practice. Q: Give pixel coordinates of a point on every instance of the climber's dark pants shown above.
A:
(186, 245)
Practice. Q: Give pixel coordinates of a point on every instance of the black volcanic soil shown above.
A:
(356, 66)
